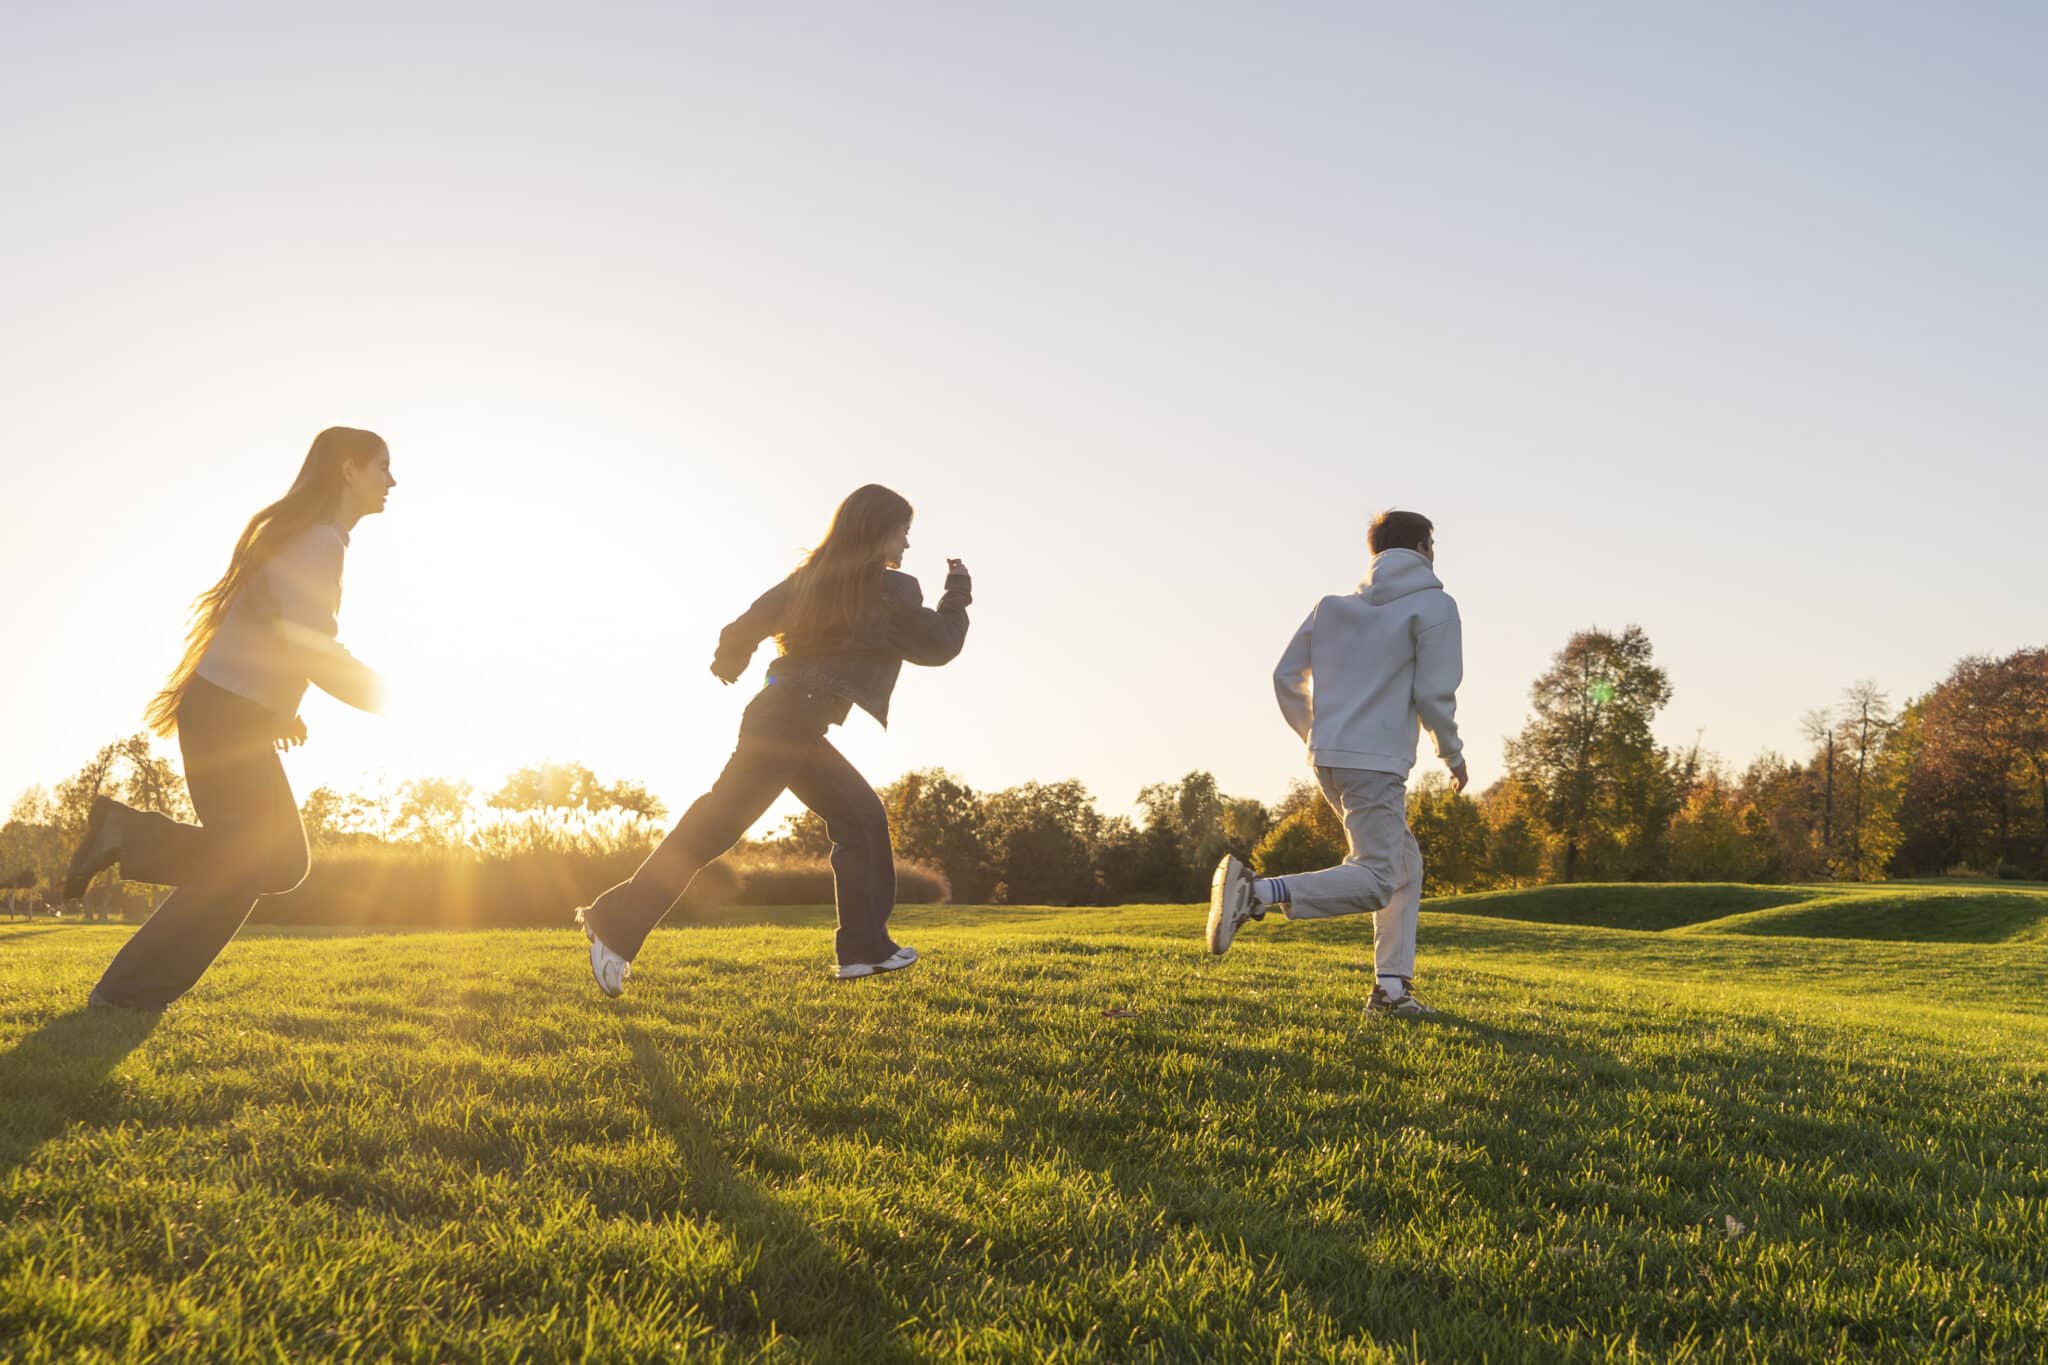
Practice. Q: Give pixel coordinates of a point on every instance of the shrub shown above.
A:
(456, 888)
(808, 881)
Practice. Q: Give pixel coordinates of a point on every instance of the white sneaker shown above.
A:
(1404, 1006)
(608, 967)
(1231, 906)
(895, 962)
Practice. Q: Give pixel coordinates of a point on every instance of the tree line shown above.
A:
(1952, 781)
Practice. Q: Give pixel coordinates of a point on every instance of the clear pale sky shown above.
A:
(1724, 320)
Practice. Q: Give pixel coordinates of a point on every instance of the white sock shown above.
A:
(1269, 891)
(1394, 986)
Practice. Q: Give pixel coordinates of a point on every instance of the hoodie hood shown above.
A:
(1394, 574)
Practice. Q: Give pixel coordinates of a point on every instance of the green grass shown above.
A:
(1928, 912)
(1067, 1134)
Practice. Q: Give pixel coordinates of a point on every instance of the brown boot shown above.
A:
(99, 848)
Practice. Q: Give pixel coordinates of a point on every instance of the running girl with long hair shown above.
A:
(259, 636)
(846, 622)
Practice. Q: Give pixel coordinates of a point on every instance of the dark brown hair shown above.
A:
(1392, 530)
(836, 581)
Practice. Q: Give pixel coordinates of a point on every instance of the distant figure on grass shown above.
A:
(258, 637)
(1362, 676)
(846, 622)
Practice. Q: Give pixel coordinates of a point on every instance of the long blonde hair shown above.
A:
(835, 582)
(315, 496)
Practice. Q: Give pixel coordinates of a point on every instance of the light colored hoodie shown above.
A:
(279, 630)
(1385, 662)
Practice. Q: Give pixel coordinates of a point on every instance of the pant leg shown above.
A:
(156, 848)
(250, 843)
(777, 733)
(863, 864)
(1394, 924)
(1373, 807)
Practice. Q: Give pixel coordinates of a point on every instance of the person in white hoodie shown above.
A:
(1362, 677)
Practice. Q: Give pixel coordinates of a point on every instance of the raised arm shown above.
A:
(306, 577)
(1291, 679)
(738, 641)
(927, 635)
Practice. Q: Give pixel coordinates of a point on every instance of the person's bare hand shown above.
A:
(1459, 777)
(721, 677)
(293, 734)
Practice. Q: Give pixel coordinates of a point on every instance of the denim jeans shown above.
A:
(249, 843)
(781, 747)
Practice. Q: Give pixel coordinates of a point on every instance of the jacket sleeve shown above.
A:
(306, 577)
(929, 636)
(1291, 679)
(738, 641)
(1439, 668)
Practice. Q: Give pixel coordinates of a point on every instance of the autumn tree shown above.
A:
(1587, 749)
(1866, 719)
(1514, 834)
(1451, 831)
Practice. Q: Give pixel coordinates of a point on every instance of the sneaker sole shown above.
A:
(855, 971)
(596, 975)
(1220, 931)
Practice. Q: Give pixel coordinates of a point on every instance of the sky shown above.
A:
(1725, 321)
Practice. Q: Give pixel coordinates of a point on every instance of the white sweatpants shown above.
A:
(1382, 874)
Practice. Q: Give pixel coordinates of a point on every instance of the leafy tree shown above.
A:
(1866, 719)
(1588, 750)
(935, 818)
(1781, 805)
(1308, 835)
(1041, 842)
(1122, 862)
(1973, 792)
(1190, 825)
(1514, 834)
(572, 786)
(1451, 832)
(430, 809)
(1710, 839)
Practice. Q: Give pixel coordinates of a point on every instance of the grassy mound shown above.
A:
(1921, 915)
(1623, 905)
(1065, 1134)
(1924, 912)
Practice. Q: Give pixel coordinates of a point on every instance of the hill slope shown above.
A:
(1950, 912)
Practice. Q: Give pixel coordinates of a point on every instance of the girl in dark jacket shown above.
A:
(845, 621)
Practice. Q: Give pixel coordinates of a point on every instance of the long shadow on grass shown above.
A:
(55, 1076)
(1789, 1141)
(805, 1287)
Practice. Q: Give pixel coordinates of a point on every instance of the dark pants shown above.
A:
(781, 747)
(249, 843)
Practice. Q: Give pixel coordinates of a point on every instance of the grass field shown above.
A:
(1067, 1134)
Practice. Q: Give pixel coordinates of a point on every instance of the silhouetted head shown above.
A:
(1392, 530)
(869, 532)
(346, 476)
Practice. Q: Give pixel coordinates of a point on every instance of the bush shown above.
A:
(392, 886)
(408, 886)
(1311, 838)
(808, 881)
